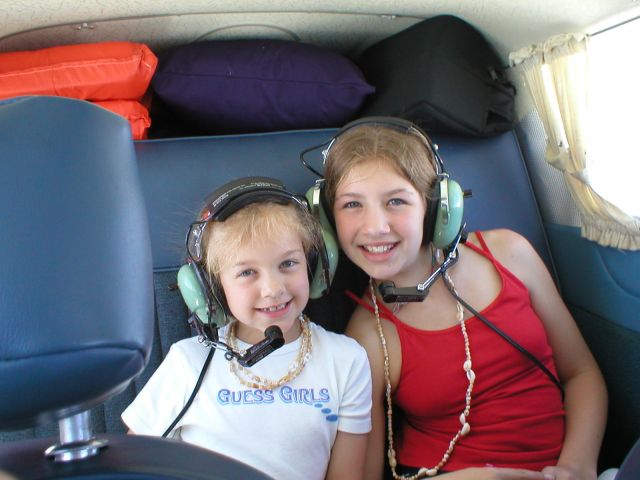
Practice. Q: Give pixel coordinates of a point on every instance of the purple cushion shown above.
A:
(259, 85)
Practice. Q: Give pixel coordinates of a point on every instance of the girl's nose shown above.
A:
(272, 286)
(375, 221)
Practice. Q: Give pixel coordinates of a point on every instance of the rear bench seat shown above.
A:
(177, 174)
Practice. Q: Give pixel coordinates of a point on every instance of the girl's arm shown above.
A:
(493, 473)
(362, 327)
(347, 457)
(585, 393)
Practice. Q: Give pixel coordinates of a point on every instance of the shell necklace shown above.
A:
(465, 427)
(251, 380)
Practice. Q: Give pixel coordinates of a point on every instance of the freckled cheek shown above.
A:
(238, 296)
(300, 284)
(345, 230)
(303, 294)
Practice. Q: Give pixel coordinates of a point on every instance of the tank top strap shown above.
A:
(358, 300)
(384, 311)
(483, 249)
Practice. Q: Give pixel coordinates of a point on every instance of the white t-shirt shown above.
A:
(287, 433)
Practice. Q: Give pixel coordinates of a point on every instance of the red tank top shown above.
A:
(517, 417)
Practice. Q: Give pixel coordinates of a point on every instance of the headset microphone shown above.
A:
(392, 294)
(272, 341)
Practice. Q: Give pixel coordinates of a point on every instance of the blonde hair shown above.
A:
(406, 153)
(254, 224)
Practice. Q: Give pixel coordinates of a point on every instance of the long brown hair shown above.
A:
(406, 153)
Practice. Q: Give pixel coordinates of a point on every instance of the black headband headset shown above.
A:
(203, 296)
(443, 221)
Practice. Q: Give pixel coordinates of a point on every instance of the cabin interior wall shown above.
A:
(593, 281)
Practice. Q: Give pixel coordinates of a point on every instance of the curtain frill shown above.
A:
(555, 73)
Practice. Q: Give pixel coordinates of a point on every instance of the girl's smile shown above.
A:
(267, 284)
(378, 250)
(379, 217)
(275, 309)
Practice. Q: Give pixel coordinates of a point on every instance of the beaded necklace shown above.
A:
(471, 377)
(251, 380)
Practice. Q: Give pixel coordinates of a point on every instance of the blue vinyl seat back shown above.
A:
(76, 291)
(178, 174)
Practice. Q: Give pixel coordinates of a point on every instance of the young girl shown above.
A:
(303, 411)
(472, 405)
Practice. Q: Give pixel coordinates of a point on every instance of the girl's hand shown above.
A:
(559, 472)
(495, 473)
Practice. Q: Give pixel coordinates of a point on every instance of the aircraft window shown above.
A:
(614, 104)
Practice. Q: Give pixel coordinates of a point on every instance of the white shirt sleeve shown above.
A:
(163, 397)
(355, 407)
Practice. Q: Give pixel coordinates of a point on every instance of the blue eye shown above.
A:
(289, 264)
(246, 273)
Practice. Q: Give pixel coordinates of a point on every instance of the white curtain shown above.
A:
(555, 73)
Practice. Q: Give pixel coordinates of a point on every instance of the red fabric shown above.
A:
(136, 113)
(97, 71)
(517, 417)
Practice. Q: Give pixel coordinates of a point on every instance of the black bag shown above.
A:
(441, 74)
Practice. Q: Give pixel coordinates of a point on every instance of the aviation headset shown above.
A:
(443, 220)
(201, 293)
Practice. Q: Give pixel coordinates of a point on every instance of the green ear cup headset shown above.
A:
(319, 285)
(202, 295)
(444, 218)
